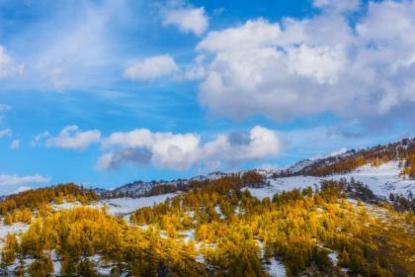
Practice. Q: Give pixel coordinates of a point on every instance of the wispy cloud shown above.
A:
(5, 133)
(8, 67)
(16, 180)
(15, 144)
(73, 46)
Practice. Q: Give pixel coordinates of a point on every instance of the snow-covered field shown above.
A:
(120, 206)
(382, 180)
(284, 184)
(124, 206)
(14, 228)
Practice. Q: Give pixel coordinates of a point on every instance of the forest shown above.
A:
(215, 228)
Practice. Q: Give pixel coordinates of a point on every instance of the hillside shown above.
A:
(402, 152)
(386, 169)
(355, 219)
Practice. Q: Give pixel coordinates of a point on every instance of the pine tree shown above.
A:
(10, 249)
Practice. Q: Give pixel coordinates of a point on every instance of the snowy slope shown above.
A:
(119, 206)
(382, 180)
(123, 206)
(284, 184)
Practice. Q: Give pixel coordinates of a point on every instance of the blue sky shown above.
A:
(108, 92)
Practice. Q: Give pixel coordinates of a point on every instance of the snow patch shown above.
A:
(275, 268)
(333, 256)
(125, 206)
(14, 228)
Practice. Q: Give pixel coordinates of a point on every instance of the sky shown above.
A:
(107, 92)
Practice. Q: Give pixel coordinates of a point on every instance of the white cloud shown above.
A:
(15, 180)
(253, 34)
(40, 138)
(5, 133)
(186, 19)
(151, 68)
(74, 45)
(15, 144)
(22, 189)
(296, 68)
(71, 137)
(338, 152)
(337, 5)
(4, 108)
(323, 64)
(166, 150)
(7, 66)
(182, 151)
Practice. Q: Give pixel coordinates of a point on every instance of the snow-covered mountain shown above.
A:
(380, 168)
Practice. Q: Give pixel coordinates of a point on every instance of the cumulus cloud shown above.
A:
(15, 180)
(166, 150)
(151, 68)
(71, 137)
(300, 67)
(186, 19)
(182, 151)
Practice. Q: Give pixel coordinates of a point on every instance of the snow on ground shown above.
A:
(56, 262)
(66, 206)
(218, 210)
(382, 180)
(124, 206)
(14, 228)
(275, 268)
(284, 184)
(119, 206)
(188, 235)
(333, 256)
(200, 259)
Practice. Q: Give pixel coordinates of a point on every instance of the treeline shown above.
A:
(33, 199)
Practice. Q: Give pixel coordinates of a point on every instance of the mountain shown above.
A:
(402, 151)
(141, 188)
(385, 169)
(349, 214)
